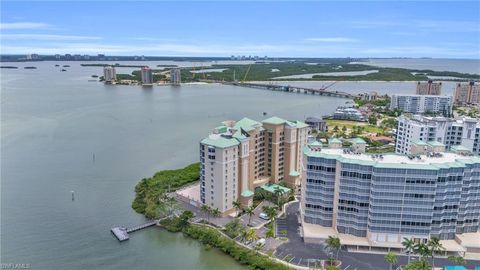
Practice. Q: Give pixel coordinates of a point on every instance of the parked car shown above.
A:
(260, 242)
(263, 216)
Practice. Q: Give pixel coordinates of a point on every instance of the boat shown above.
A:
(63, 69)
(66, 66)
(30, 67)
(57, 65)
(11, 67)
(94, 76)
(264, 113)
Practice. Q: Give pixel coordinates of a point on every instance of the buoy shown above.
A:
(73, 195)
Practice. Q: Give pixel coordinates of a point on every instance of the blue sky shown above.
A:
(277, 29)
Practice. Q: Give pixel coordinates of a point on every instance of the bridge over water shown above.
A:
(294, 89)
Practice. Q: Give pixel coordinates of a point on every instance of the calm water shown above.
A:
(458, 65)
(52, 124)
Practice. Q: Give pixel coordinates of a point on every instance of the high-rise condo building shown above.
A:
(467, 93)
(238, 157)
(175, 76)
(109, 74)
(147, 76)
(447, 131)
(429, 88)
(422, 103)
(378, 200)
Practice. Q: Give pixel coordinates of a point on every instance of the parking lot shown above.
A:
(298, 252)
(256, 221)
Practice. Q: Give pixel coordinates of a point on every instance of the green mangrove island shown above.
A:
(274, 71)
(149, 190)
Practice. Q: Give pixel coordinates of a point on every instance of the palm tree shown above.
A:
(271, 213)
(216, 213)
(422, 250)
(421, 264)
(333, 243)
(207, 210)
(237, 206)
(250, 213)
(435, 246)
(251, 235)
(278, 193)
(391, 259)
(409, 246)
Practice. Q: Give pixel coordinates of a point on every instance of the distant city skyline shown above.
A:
(221, 29)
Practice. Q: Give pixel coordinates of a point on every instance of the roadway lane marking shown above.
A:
(346, 267)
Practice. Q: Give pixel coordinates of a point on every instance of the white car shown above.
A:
(263, 216)
(260, 242)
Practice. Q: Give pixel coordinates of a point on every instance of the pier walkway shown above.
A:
(294, 89)
(121, 233)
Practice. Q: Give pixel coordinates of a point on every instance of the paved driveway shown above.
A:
(256, 221)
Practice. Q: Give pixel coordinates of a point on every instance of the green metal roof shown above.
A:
(246, 193)
(334, 140)
(418, 142)
(221, 129)
(435, 166)
(435, 143)
(294, 173)
(238, 135)
(301, 124)
(274, 120)
(272, 187)
(358, 141)
(316, 143)
(459, 148)
(247, 124)
(220, 142)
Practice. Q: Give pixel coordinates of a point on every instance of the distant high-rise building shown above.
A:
(147, 76)
(109, 74)
(175, 76)
(468, 93)
(447, 131)
(429, 88)
(422, 103)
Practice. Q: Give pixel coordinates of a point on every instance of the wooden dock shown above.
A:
(121, 233)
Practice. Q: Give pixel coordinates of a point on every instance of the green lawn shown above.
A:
(350, 124)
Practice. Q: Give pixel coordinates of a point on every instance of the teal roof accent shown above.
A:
(274, 121)
(220, 142)
(334, 140)
(435, 143)
(294, 173)
(247, 124)
(460, 163)
(358, 141)
(238, 135)
(272, 187)
(418, 142)
(221, 129)
(459, 148)
(246, 193)
(301, 124)
(316, 143)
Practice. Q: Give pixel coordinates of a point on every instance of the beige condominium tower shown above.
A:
(239, 156)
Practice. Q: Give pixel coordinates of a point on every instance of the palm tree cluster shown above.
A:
(210, 211)
(333, 244)
(424, 251)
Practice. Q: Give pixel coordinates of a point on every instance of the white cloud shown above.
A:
(24, 25)
(332, 39)
(48, 37)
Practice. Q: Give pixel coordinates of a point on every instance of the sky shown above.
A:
(223, 28)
